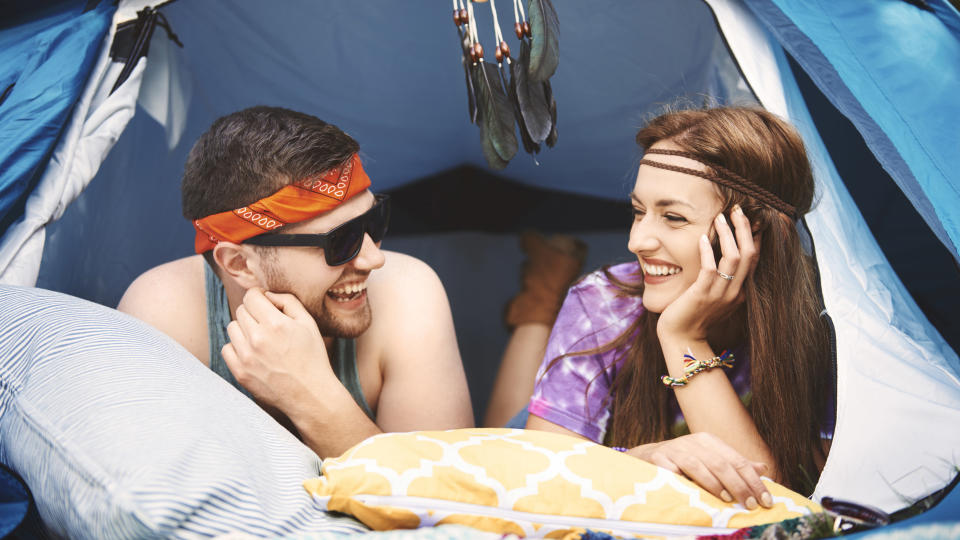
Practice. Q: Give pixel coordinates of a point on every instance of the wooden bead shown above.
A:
(456, 17)
(518, 30)
(478, 50)
(498, 55)
(464, 16)
(473, 55)
(504, 49)
(526, 29)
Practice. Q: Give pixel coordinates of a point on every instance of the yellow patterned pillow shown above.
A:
(529, 483)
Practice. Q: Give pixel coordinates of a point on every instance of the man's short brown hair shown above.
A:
(250, 154)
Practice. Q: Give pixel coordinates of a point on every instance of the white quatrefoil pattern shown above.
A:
(527, 483)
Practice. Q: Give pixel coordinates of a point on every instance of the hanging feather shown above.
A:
(529, 145)
(548, 93)
(545, 40)
(465, 61)
(495, 114)
(490, 153)
(530, 97)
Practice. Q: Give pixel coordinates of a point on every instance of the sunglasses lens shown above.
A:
(379, 219)
(344, 243)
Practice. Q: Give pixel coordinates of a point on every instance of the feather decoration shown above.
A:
(495, 115)
(465, 60)
(548, 93)
(545, 40)
(530, 97)
(489, 152)
(529, 146)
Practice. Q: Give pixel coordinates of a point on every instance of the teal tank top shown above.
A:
(343, 352)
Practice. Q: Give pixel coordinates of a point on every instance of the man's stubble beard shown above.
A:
(329, 324)
(333, 326)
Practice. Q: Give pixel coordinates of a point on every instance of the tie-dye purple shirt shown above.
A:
(595, 313)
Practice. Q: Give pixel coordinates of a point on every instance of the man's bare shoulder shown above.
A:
(171, 281)
(404, 277)
(407, 299)
(172, 298)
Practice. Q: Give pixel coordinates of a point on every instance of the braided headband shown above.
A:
(724, 177)
(295, 202)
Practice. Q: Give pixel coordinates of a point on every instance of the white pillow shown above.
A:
(120, 433)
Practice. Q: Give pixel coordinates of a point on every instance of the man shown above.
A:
(292, 300)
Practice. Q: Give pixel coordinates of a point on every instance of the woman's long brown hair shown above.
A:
(783, 332)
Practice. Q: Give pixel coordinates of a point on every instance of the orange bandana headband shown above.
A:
(296, 202)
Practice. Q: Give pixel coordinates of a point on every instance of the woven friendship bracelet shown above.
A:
(724, 177)
(692, 366)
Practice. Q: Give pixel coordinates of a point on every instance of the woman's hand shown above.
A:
(713, 465)
(719, 286)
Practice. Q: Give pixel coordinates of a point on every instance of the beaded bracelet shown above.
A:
(618, 448)
(692, 366)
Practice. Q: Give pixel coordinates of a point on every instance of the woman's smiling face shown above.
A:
(671, 211)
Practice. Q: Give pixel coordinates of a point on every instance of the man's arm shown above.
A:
(424, 386)
(278, 354)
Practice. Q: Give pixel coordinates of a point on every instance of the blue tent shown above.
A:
(84, 79)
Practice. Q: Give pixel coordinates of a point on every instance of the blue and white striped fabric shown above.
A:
(120, 433)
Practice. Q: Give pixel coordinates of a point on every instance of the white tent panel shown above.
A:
(96, 123)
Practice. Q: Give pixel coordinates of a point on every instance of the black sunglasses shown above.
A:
(343, 243)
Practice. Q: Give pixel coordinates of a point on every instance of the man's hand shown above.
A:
(276, 350)
(277, 353)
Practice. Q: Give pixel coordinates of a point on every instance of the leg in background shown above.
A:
(552, 265)
(518, 370)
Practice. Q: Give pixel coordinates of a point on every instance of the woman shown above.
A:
(636, 358)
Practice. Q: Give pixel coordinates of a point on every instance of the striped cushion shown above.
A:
(120, 433)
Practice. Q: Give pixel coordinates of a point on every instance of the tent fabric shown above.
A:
(893, 69)
(82, 138)
(402, 97)
(45, 63)
(881, 334)
(15, 501)
(383, 82)
(942, 522)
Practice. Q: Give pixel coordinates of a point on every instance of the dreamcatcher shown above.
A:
(514, 89)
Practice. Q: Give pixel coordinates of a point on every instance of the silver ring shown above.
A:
(727, 277)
